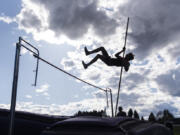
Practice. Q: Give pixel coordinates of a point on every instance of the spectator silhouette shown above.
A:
(121, 112)
(117, 61)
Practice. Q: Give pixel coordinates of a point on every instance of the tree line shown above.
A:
(161, 117)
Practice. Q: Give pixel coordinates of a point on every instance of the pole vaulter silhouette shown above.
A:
(118, 61)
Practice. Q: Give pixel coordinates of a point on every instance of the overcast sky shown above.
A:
(61, 29)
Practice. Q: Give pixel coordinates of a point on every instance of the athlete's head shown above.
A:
(129, 56)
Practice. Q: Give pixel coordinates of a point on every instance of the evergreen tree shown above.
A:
(130, 113)
(90, 113)
(167, 116)
(136, 115)
(159, 117)
(152, 117)
(142, 118)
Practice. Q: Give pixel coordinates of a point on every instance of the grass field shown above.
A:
(176, 129)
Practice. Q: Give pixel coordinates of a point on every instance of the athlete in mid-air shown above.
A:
(117, 61)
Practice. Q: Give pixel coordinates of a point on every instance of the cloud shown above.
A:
(28, 19)
(160, 107)
(94, 104)
(113, 82)
(65, 109)
(23, 51)
(139, 87)
(129, 99)
(134, 79)
(154, 24)
(43, 90)
(7, 19)
(94, 76)
(175, 51)
(153, 34)
(68, 64)
(74, 21)
(99, 94)
(76, 96)
(169, 82)
(168, 106)
(28, 96)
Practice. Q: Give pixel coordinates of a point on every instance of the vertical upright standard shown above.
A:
(112, 110)
(121, 68)
(14, 87)
(111, 97)
(15, 79)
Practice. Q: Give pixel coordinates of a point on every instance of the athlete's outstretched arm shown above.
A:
(117, 54)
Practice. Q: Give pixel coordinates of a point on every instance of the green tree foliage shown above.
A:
(90, 113)
(167, 116)
(164, 116)
(151, 117)
(136, 115)
(142, 118)
(130, 113)
(159, 117)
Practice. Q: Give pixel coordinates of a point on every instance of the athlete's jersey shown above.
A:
(118, 62)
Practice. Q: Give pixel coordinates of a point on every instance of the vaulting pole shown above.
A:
(121, 68)
(111, 97)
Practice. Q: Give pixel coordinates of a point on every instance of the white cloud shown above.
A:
(54, 109)
(143, 104)
(139, 89)
(156, 56)
(81, 20)
(76, 96)
(43, 88)
(169, 83)
(28, 96)
(7, 19)
(23, 51)
(151, 24)
(43, 91)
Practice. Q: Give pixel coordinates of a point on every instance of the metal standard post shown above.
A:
(107, 98)
(121, 68)
(14, 89)
(37, 63)
(111, 102)
(15, 79)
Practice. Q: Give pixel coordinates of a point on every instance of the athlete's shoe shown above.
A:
(86, 51)
(84, 65)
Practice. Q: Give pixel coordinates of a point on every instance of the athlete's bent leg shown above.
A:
(101, 57)
(102, 49)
